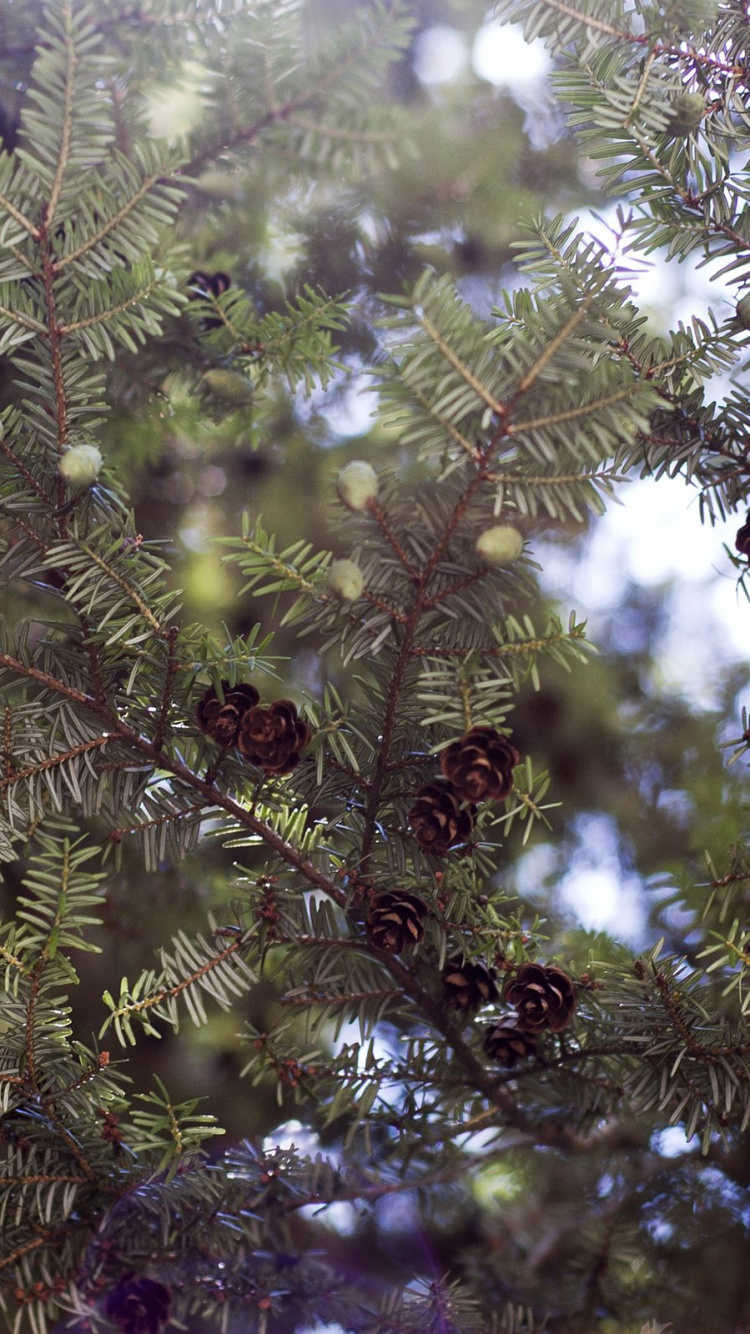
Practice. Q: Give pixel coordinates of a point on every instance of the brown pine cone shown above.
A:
(543, 996)
(395, 920)
(479, 766)
(468, 985)
(273, 737)
(438, 820)
(138, 1305)
(222, 721)
(506, 1043)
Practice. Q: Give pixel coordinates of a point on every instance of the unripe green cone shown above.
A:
(743, 312)
(500, 545)
(357, 484)
(229, 386)
(686, 113)
(346, 579)
(81, 465)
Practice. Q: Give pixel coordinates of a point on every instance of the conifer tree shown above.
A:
(349, 837)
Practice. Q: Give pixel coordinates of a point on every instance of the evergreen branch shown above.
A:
(52, 683)
(15, 962)
(296, 1002)
(624, 35)
(61, 402)
(543, 479)
(130, 592)
(67, 120)
(279, 566)
(467, 582)
(46, 1178)
(588, 21)
(115, 835)
(376, 510)
(472, 450)
(20, 218)
(552, 347)
(339, 132)
(70, 1141)
(495, 650)
(384, 606)
(280, 114)
(404, 654)
(23, 321)
(213, 795)
(20, 774)
(21, 468)
(165, 993)
(570, 414)
(642, 86)
(467, 375)
(106, 315)
(108, 227)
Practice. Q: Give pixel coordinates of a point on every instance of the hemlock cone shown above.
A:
(479, 766)
(273, 736)
(507, 1043)
(469, 984)
(395, 920)
(221, 719)
(438, 819)
(543, 996)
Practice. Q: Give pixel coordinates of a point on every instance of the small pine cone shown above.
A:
(479, 766)
(438, 820)
(273, 737)
(222, 721)
(395, 920)
(742, 540)
(506, 1043)
(469, 985)
(543, 997)
(138, 1305)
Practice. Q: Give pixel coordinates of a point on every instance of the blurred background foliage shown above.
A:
(633, 766)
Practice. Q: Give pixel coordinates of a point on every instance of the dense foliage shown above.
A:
(261, 857)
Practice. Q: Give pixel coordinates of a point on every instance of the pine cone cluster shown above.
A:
(138, 1305)
(543, 997)
(469, 984)
(477, 767)
(395, 920)
(270, 736)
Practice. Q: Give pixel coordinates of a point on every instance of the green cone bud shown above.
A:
(500, 545)
(81, 465)
(357, 484)
(346, 579)
(686, 113)
(743, 312)
(229, 386)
